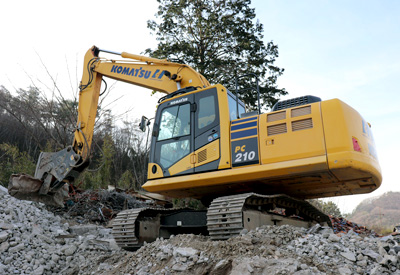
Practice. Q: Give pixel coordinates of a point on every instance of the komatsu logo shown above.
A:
(178, 101)
(137, 72)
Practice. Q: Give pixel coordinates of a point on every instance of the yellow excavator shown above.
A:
(248, 168)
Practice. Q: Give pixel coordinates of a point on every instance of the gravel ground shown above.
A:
(36, 241)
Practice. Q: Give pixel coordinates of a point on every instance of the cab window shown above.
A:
(232, 108)
(206, 111)
(175, 122)
(173, 151)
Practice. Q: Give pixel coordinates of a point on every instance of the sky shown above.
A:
(331, 49)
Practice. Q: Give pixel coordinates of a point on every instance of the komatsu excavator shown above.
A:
(249, 169)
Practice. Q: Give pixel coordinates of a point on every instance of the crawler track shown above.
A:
(131, 228)
(225, 216)
(124, 228)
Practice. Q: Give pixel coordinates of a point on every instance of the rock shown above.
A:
(362, 263)
(179, 267)
(3, 190)
(351, 233)
(83, 229)
(387, 238)
(4, 247)
(69, 250)
(373, 255)
(314, 229)
(39, 270)
(6, 226)
(304, 266)
(3, 236)
(333, 238)
(16, 248)
(382, 251)
(221, 264)
(388, 259)
(185, 251)
(344, 271)
(349, 256)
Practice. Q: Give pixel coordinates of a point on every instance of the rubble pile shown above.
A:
(35, 241)
(267, 250)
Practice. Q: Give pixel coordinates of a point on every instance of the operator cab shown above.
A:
(189, 130)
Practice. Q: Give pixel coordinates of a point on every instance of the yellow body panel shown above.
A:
(305, 152)
(292, 134)
(203, 155)
(154, 173)
(344, 162)
(207, 154)
(184, 164)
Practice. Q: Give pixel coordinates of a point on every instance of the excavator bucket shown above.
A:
(56, 169)
(25, 187)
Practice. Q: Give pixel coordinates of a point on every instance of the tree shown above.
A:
(221, 40)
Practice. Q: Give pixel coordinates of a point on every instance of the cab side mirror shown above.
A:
(143, 123)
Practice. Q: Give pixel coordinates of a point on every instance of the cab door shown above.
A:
(187, 135)
(206, 131)
(174, 140)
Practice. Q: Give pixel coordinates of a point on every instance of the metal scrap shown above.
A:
(99, 206)
(341, 225)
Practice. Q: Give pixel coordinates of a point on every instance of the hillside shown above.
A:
(380, 213)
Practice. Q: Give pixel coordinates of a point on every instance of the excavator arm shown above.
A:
(54, 169)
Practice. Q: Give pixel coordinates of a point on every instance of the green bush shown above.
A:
(12, 161)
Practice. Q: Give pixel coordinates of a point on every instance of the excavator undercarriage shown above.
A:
(226, 217)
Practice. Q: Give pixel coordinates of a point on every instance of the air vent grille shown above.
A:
(302, 124)
(202, 156)
(301, 111)
(277, 129)
(276, 116)
(290, 103)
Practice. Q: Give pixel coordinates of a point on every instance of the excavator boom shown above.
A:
(53, 170)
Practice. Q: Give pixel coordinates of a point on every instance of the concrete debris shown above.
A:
(279, 250)
(34, 240)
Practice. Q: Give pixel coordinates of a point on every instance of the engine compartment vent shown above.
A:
(276, 116)
(276, 129)
(298, 101)
(302, 124)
